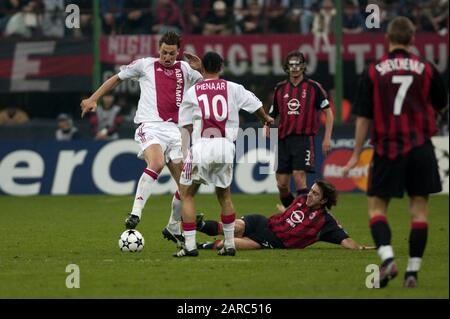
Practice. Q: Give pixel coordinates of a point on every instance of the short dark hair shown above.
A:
(170, 38)
(212, 62)
(328, 192)
(293, 54)
(400, 31)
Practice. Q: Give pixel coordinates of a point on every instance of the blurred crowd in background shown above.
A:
(45, 19)
(31, 18)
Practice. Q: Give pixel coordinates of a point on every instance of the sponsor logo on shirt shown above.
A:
(179, 88)
(295, 218)
(293, 106)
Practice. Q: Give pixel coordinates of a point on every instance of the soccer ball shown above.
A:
(131, 240)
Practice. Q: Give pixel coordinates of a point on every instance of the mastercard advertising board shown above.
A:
(358, 176)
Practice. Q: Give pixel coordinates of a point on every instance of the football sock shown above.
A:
(143, 191)
(287, 200)
(381, 234)
(418, 239)
(414, 264)
(228, 229)
(175, 215)
(411, 273)
(386, 252)
(189, 236)
(210, 228)
(302, 191)
(417, 242)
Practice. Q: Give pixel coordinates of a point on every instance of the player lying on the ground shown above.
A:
(303, 223)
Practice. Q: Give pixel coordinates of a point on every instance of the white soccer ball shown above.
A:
(131, 240)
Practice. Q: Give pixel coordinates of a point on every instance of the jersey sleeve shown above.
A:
(187, 108)
(363, 103)
(438, 92)
(321, 97)
(246, 100)
(133, 70)
(332, 232)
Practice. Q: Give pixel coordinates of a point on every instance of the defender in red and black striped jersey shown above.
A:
(302, 224)
(398, 95)
(297, 103)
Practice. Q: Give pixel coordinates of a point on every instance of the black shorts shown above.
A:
(296, 152)
(257, 229)
(417, 173)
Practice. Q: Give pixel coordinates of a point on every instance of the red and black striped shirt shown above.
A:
(298, 107)
(399, 93)
(299, 226)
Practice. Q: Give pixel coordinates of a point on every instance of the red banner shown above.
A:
(44, 66)
(262, 55)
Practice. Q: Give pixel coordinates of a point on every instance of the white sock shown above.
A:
(385, 252)
(175, 215)
(414, 264)
(228, 232)
(189, 239)
(143, 191)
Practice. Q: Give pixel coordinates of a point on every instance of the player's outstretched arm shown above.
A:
(326, 144)
(263, 116)
(90, 104)
(351, 244)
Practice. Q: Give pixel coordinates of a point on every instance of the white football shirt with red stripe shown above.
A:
(213, 105)
(162, 88)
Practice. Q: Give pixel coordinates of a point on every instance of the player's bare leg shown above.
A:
(243, 243)
(173, 231)
(418, 208)
(283, 181)
(154, 158)
(189, 225)
(215, 228)
(381, 234)
(300, 182)
(227, 217)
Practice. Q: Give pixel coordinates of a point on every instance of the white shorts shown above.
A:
(165, 134)
(209, 162)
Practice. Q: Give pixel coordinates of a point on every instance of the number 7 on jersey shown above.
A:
(405, 82)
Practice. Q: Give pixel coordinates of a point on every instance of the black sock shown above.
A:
(387, 261)
(381, 233)
(287, 201)
(302, 191)
(210, 228)
(418, 239)
(411, 273)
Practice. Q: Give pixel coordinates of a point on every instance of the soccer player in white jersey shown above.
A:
(210, 112)
(163, 82)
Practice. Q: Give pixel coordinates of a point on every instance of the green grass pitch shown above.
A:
(41, 235)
